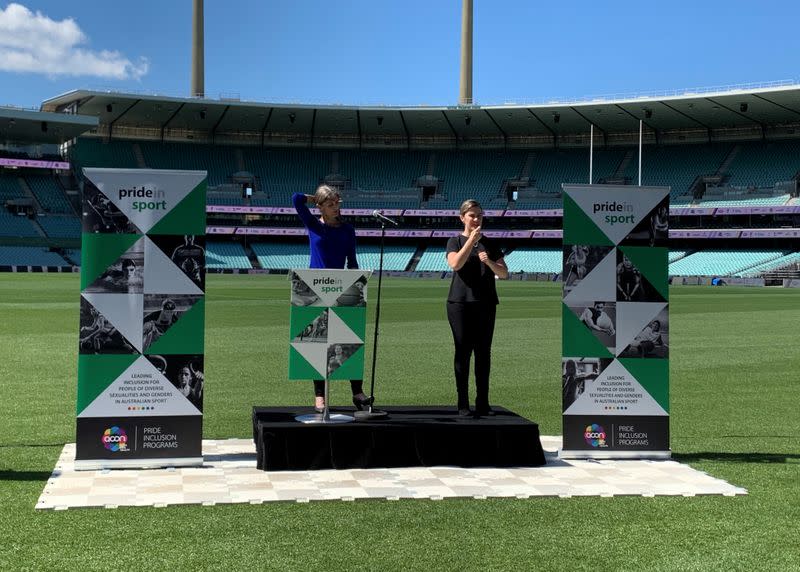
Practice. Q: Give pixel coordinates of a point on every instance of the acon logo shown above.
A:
(115, 439)
(595, 435)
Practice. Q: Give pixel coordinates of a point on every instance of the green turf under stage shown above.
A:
(735, 357)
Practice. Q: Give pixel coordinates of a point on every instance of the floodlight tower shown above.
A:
(465, 90)
(198, 50)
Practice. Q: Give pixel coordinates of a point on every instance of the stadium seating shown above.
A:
(776, 264)
(475, 174)
(433, 260)
(675, 255)
(395, 257)
(764, 164)
(384, 170)
(721, 262)
(552, 168)
(534, 260)
(73, 255)
(16, 226)
(29, 256)
(60, 226)
(539, 204)
(94, 152)
(281, 172)
(743, 201)
(678, 166)
(221, 255)
(10, 189)
(281, 256)
(49, 193)
(218, 160)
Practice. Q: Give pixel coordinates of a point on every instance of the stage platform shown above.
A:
(412, 436)
(229, 475)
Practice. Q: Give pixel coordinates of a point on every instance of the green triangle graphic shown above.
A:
(299, 368)
(652, 375)
(652, 263)
(577, 340)
(354, 318)
(352, 368)
(187, 217)
(97, 372)
(579, 228)
(186, 336)
(302, 316)
(99, 251)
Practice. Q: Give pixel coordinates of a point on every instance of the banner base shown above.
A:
(332, 418)
(100, 464)
(567, 454)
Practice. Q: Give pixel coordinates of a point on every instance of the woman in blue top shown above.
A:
(333, 245)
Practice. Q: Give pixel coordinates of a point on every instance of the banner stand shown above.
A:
(327, 324)
(326, 416)
(141, 349)
(615, 322)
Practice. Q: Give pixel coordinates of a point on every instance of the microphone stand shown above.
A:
(372, 413)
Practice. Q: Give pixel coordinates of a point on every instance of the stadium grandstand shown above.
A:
(731, 158)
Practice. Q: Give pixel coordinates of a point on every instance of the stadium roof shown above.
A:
(28, 126)
(753, 109)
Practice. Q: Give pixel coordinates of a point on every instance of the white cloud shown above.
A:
(32, 42)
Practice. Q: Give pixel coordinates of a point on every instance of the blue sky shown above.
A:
(399, 52)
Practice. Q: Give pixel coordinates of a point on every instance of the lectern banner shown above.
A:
(327, 324)
(615, 322)
(142, 316)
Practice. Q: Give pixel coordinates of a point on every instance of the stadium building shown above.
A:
(730, 156)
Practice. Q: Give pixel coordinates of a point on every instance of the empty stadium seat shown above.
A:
(528, 259)
(282, 255)
(721, 262)
(60, 226)
(29, 256)
(221, 255)
(49, 193)
(433, 260)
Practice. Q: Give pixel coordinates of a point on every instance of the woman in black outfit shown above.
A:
(472, 305)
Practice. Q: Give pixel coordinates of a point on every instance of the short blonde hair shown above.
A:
(469, 204)
(324, 193)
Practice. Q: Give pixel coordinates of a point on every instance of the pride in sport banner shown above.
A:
(142, 315)
(615, 322)
(327, 324)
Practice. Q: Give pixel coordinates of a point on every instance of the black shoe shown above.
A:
(363, 402)
(485, 412)
(464, 412)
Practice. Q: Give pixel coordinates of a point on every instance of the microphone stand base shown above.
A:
(370, 415)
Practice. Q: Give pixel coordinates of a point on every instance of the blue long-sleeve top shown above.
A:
(331, 246)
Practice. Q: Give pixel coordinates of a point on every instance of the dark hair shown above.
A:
(570, 368)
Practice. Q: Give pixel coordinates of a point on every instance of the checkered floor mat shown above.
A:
(229, 475)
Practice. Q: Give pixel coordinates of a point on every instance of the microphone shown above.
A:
(378, 215)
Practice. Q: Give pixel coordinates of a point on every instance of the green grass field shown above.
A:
(735, 356)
